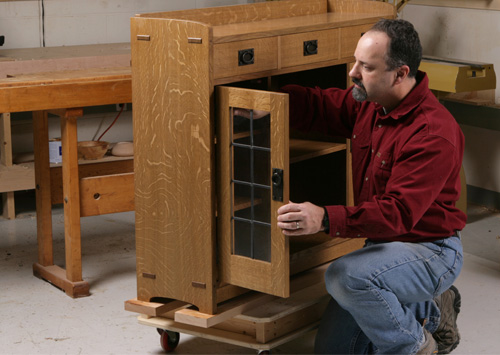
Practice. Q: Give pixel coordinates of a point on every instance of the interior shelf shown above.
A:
(301, 149)
(240, 203)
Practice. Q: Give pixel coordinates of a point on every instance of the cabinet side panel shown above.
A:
(173, 148)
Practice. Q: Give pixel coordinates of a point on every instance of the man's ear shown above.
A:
(402, 73)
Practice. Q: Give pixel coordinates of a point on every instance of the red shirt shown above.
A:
(405, 164)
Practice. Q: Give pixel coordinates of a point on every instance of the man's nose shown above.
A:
(354, 72)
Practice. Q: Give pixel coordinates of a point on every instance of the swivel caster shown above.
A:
(168, 339)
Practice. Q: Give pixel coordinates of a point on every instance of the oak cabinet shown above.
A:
(208, 182)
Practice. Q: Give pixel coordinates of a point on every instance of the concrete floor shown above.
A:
(38, 318)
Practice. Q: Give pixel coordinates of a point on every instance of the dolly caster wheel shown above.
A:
(168, 340)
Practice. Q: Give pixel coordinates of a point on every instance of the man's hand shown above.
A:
(300, 218)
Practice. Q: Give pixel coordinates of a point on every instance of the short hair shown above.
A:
(404, 46)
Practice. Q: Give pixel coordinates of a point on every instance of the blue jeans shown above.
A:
(382, 294)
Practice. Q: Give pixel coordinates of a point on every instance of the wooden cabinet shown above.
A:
(208, 182)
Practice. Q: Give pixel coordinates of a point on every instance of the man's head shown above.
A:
(387, 60)
(404, 47)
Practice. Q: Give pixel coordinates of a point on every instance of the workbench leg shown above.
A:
(42, 185)
(69, 280)
(71, 198)
(9, 207)
(9, 210)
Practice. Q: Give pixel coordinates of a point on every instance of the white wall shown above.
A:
(482, 157)
(470, 35)
(75, 22)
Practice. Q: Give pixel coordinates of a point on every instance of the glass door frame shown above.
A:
(272, 277)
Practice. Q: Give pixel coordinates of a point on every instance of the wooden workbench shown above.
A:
(65, 93)
(13, 62)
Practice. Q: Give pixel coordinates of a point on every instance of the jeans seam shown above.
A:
(446, 274)
(393, 317)
(381, 298)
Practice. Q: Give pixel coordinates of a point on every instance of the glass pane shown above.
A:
(254, 240)
(251, 188)
(252, 131)
(262, 242)
(251, 165)
(258, 208)
(243, 242)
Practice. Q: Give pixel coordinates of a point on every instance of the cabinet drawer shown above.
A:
(349, 37)
(243, 57)
(309, 47)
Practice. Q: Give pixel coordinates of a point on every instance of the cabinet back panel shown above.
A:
(225, 15)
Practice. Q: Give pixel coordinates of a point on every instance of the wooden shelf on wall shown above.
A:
(475, 98)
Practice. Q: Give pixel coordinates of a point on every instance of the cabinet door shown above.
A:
(252, 184)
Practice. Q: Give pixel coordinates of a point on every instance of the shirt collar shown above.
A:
(412, 100)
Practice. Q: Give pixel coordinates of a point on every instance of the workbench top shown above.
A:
(36, 60)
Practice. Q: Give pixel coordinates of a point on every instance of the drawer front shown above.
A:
(349, 37)
(243, 57)
(309, 47)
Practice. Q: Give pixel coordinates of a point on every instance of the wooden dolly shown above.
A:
(65, 93)
(254, 320)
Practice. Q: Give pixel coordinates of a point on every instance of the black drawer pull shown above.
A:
(310, 47)
(245, 57)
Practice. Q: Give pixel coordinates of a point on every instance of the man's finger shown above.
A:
(290, 207)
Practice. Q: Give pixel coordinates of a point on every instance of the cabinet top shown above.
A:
(272, 18)
(285, 26)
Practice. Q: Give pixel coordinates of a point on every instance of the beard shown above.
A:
(359, 92)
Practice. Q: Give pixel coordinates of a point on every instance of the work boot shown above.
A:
(429, 346)
(447, 335)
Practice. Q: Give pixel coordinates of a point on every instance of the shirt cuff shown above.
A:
(337, 217)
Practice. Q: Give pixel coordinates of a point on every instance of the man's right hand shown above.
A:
(246, 113)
